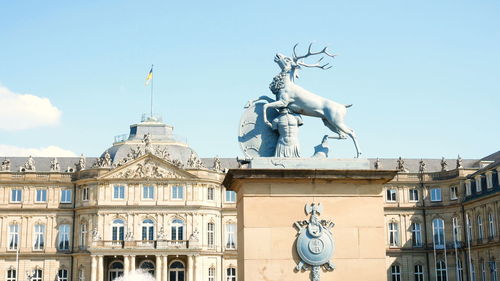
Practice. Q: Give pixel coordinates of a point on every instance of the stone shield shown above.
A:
(315, 250)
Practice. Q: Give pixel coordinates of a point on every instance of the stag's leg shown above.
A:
(350, 133)
(333, 128)
(276, 104)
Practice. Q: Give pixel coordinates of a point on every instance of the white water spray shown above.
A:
(138, 275)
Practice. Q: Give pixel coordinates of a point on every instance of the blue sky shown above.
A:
(423, 75)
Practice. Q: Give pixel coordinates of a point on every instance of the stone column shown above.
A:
(165, 268)
(132, 263)
(93, 269)
(189, 268)
(100, 268)
(126, 265)
(197, 269)
(158, 268)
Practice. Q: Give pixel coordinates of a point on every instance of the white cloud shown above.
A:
(52, 151)
(24, 111)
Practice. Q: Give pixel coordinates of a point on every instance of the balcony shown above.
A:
(144, 244)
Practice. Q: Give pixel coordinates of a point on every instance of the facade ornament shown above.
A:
(147, 144)
(104, 161)
(95, 234)
(195, 235)
(401, 165)
(321, 150)
(161, 234)
(377, 164)
(218, 165)
(129, 236)
(287, 125)
(421, 166)
(54, 165)
(444, 165)
(5, 165)
(29, 165)
(459, 162)
(148, 169)
(315, 243)
(81, 163)
(194, 161)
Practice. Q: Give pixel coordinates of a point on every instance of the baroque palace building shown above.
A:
(149, 202)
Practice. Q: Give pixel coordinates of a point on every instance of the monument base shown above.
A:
(271, 200)
(309, 163)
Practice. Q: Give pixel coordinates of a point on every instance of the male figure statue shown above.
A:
(287, 124)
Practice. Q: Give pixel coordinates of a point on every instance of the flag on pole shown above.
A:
(150, 76)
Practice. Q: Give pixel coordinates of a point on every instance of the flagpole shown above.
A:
(152, 80)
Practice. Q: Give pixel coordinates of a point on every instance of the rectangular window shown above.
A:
(177, 192)
(436, 194)
(231, 274)
(483, 271)
(37, 275)
(491, 226)
(16, 195)
(11, 275)
(438, 233)
(469, 228)
(81, 275)
(83, 235)
(419, 273)
(393, 234)
(493, 271)
(480, 229)
(211, 234)
(63, 238)
(211, 274)
(231, 236)
(39, 240)
(413, 195)
(148, 192)
(390, 195)
(66, 196)
(489, 180)
(395, 273)
(230, 196)
(468, 188)
(457, 234)
(119, 192)
(453, 193)
(478, 184)
(13, 236)
(210, 193)
(41, 195)
(85, 193)
(416, 234)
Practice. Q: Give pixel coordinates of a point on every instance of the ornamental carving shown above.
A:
(148, 169)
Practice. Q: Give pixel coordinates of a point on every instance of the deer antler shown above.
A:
(309, 53)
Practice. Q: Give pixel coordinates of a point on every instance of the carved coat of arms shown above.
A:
(315, 243)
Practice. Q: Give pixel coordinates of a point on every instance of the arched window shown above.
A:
(395, 273)
(177, 230)
(211, 234)
(115, 270)
(457, 234)
(441, 271)
(419, 272)
(118, 230)
(148, 266)
(148, 230)
(492, 232)
(176, 271)
(12, 274)
(63, 238)
(37, 275)
(393, 231)
(438, 233)
(39, 239)
(83, 235)
(416, 234)
(460, 271)
(62, 275)
(231, 274)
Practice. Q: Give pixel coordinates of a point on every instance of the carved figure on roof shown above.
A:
(421, 166)
(194, 161)
(459, 162)
(377, 165)
(54, 165)
(401, 165)
(218, 165)
(444, 165)
(5, 165)
(30, 164)
(147, 143)
(81, 163)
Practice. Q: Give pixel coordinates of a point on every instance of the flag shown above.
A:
(150, 76)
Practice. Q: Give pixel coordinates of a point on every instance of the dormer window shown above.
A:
(478, 183)
(468, 188)
(489, 179)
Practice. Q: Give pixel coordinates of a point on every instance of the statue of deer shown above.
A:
(301, 101)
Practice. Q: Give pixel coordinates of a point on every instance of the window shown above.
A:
(413, 195)
(468, 188)
(13, 236)
(395, 273)
(62, 275)
(419, 273)
(483, 271)
(491, 226)
(457, 234)
(148, 230)
(435, 194)
(39, 241)
(453, 193)
(148, 266)
(211, 234)
(478, 184)
(473, 271)
(66, 196)
(438, 233)
(480, 232)
(441, 271)
(41, 195)
(81, 275)
(177, 230)
(393, 234)
(390, 195)
(176, 271)
(118, 230)
(230, 196)
(469, 228)
(231, 274)
(85, 193)
(11, 274)
(493, 271)
(148, 192)
(83, 235)
(231, 236)
(37, 275)
(119, 192)
(416, 234)
(489, 180)
(177, 192)
(460, 271)
(211, 274)
(210, 193)
(63, 243)
(16, 195)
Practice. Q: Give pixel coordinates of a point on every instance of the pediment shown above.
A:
(148, 167)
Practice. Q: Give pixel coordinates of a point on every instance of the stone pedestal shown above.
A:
(271, 200)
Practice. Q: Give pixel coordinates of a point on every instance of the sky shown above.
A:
(423, 75)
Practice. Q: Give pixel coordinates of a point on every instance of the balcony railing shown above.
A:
(141, 244)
